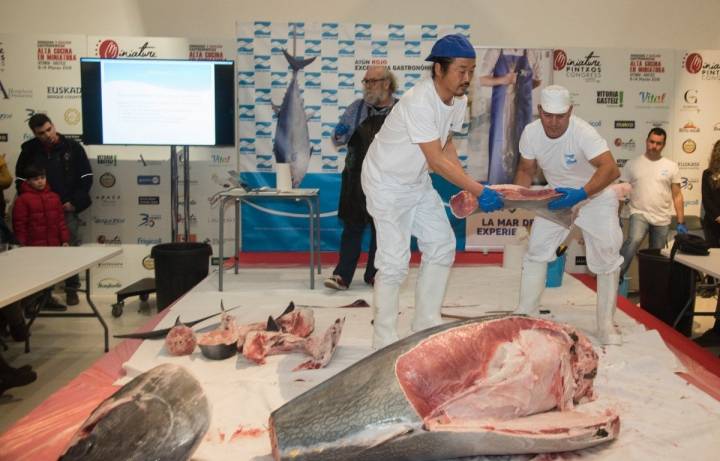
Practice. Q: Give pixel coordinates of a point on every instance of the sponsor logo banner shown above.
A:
(645, 67)
(205, 52)
(107, 200)
(148, 180)
(63, 92)
(688, 165)
(148, 200)
(108, 221)
(107, 180)
(625, 144)
(149, 241)
(148, 219)
(107, 160)
(695, 64)
(587, 68)
(109, 283)
(109, 49)
(55, 55)
(72, 116)
(624, 124)
(689, 146)
(610, 98)
(106, 240)
(688, 183)
(689, 127)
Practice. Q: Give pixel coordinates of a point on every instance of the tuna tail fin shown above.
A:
(290, 308)
(297, 63)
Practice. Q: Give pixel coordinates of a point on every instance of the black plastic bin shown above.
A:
(179, 267)
(665, 288)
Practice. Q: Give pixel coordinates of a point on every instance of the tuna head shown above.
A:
(486, 386)
(162, 414)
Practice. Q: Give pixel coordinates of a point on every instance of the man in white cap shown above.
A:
(415, 138)
(576, 161)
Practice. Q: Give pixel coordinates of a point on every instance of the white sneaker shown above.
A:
(335, 282)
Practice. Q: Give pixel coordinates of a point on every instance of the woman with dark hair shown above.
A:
(711, 227)
(6, 181)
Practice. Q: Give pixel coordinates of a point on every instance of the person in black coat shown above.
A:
(711, 228)
(357, 128)
(68, 172)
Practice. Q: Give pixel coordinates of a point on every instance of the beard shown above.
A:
(373, 97)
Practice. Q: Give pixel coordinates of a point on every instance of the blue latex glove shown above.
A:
(571, 197)
(681, 229)
(490, 200)
(341, 129)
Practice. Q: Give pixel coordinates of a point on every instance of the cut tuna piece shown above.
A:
(486, 386)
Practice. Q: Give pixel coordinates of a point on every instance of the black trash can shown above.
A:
(179, 267)
(665, 288)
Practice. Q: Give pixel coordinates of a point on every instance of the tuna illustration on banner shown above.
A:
(292, 137)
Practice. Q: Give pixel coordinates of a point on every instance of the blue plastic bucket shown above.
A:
(555, 272)
(623, 288)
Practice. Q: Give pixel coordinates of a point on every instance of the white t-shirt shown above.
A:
(394, 157)
(565, 161)
(651, 183)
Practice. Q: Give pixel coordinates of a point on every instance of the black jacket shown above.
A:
(710, 197)
(67, 169)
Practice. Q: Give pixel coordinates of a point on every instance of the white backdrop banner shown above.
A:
(131, 190)
(697, 119)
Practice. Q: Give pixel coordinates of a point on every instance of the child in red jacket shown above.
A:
(39, 220)
(38, 216)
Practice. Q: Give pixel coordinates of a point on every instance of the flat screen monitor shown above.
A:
(158, 102)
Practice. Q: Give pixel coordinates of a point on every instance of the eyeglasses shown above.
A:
(370, 81)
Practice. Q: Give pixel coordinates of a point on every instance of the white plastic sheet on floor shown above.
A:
(662, 417)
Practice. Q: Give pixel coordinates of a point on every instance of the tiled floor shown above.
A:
(62, 348)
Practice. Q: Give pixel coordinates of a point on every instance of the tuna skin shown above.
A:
(376, 409)
(292, 137)
(161, 415)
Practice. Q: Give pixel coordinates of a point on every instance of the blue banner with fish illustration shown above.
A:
(295, 80)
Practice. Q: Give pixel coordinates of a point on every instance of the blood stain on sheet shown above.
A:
(246, 432)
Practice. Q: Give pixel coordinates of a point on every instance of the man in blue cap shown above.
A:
(415, 138)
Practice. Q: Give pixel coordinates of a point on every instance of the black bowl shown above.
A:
(218, 351)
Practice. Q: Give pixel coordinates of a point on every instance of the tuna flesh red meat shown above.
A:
(463, 204)
(260, 344)
(485, 386)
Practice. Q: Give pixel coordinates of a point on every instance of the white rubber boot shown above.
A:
(607, 286)
(386, 301)
(429, 294)
(532, 284)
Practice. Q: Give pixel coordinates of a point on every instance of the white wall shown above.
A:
(602, 23)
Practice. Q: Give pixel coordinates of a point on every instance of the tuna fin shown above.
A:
(290, 308)
(297, 63)
(272, 324)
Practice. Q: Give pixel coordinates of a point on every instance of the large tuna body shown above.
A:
(160, 415)
(292, 138)
(480, 387)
